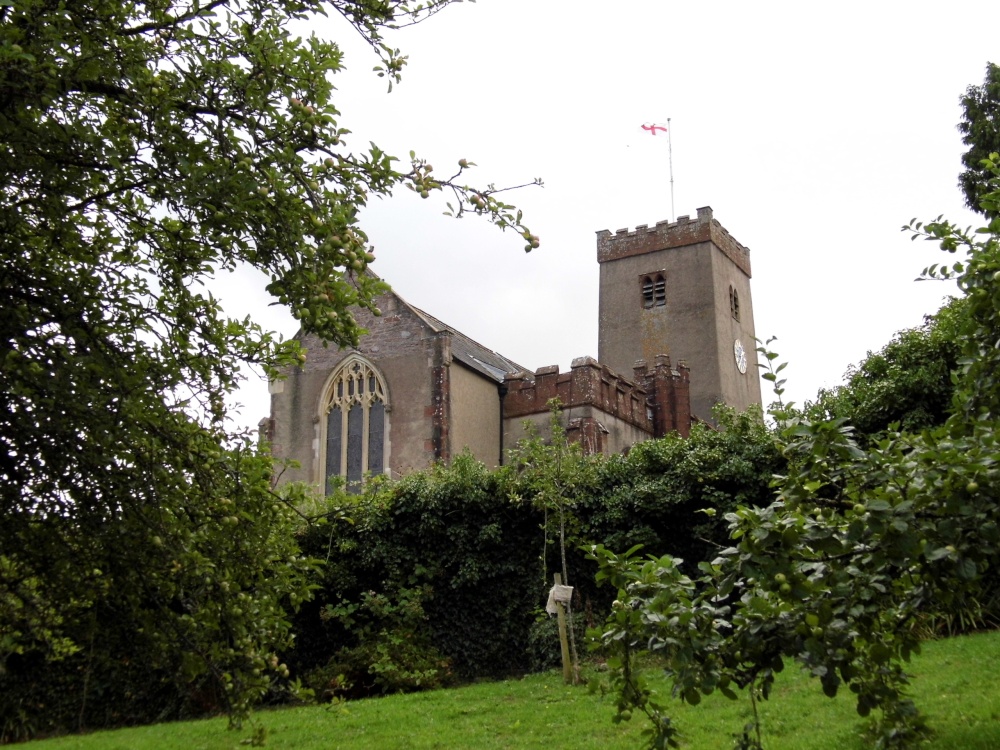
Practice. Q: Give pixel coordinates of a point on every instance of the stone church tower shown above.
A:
(676, 337)
(681, 289)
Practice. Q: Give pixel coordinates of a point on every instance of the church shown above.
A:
(676, 336)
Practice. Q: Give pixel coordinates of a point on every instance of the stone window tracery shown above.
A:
(354, 421)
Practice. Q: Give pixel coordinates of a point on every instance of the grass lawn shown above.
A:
(956, 683)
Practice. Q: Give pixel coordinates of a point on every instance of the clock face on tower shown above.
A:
(741, 356)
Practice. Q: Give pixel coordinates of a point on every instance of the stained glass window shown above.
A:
(354, 425)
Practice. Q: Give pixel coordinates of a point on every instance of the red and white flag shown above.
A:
(654, 127)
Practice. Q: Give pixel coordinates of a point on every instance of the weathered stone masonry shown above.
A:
(666, 235)
(667, 299)
(440, 444)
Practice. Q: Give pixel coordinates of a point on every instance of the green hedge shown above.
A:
(441, 576)
(446, 571)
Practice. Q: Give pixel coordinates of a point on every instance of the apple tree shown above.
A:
(859, 551)
(980, 129)
(146, 566)
(906, 383)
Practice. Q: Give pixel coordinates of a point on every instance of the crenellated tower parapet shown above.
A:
(666, 235)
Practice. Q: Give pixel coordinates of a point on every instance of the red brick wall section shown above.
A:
(682, 417)
(669, 395)
(547, 385)
(665, 235)
(586, 384)
(588, 432)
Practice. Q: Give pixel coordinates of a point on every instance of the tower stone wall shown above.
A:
(680, 289)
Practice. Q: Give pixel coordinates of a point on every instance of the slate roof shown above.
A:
(470, 353)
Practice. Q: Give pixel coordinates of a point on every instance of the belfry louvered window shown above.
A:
(734, 303)
(654, 291)
(355, 425)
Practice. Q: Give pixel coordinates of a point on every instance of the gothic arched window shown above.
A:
(734, 303)
(353, 415)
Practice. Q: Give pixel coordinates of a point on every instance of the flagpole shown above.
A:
(670, 155)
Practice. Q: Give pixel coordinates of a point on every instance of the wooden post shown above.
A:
(563, 638)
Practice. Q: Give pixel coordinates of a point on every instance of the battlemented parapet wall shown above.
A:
(665, 235)
(602, 410)
(587, 383)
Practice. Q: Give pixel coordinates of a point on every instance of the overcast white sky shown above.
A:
(814, 131)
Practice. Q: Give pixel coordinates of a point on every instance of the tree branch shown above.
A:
(174, 20)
